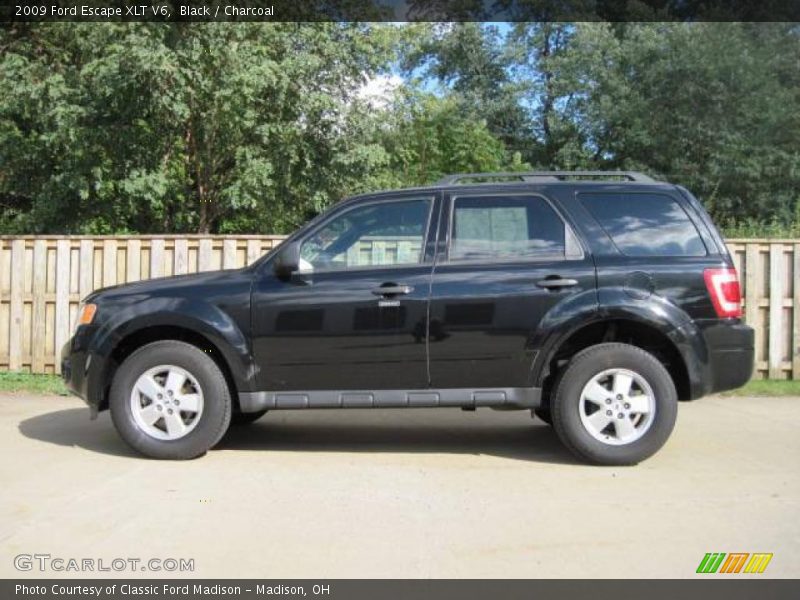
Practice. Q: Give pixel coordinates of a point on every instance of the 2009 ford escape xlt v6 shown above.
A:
(596, 300)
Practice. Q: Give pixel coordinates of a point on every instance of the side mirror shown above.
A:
(287, 261)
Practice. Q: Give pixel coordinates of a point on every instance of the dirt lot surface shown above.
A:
(392, 493)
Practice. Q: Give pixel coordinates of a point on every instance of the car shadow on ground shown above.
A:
(72, 427)
(447, 431)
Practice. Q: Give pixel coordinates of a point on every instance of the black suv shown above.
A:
(595, 299)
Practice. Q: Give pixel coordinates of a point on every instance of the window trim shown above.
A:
(334, 214)
(569, 231)
(674, 199)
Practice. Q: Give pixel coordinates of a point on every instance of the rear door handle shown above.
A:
(556, 283)
(393, 290)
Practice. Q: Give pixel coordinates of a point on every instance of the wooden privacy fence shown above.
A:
(769, 273)
(43, 278)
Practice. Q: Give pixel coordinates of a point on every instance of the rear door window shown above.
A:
(642, 224)
(505, 228)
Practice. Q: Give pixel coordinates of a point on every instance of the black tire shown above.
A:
(245, 418)
(213, 420)
(566, 411)
(544, 414)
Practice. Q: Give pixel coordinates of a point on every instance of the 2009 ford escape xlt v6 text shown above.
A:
(595, 299)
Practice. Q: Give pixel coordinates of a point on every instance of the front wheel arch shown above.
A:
(158, 333)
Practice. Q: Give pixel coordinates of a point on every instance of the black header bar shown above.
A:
(170, 11)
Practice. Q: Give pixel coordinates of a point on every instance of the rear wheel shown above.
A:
(544, 414)
(614, 405)
(170, 400)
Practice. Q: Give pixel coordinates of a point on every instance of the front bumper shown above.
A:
(73, 370)
(81, 370)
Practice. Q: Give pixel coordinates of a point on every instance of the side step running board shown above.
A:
(522, 398)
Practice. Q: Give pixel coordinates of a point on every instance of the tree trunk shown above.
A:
(205, 220)
(548, 100)
(204, 226)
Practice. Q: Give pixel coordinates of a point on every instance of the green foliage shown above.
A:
(710, 106)
(253, 127)
(20, 382)
(177, 127)
(767, 387)
(760, 229)
(473, 63)
(431, 137)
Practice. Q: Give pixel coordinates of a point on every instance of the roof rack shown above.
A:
(537, 176)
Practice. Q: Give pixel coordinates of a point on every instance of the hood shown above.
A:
(176, 284)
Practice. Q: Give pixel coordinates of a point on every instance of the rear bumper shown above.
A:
(731, 354)
(718, 354)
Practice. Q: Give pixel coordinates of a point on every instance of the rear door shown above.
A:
(504, 260)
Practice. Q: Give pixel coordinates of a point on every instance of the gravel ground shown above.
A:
(402, 493)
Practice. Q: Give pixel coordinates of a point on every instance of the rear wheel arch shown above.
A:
(618, 329)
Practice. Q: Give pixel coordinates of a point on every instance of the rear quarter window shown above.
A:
(642, 224)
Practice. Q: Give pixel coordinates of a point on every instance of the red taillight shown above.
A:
(723, 287)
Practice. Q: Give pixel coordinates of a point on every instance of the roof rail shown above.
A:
(535, 176)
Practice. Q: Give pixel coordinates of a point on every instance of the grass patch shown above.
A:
(16, 381)
(767, 387)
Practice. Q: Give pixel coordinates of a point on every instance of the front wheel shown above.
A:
(170, 400)
(615, 405)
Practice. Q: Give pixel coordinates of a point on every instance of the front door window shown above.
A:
(372, 235)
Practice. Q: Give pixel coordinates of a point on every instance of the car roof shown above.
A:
(527, 180)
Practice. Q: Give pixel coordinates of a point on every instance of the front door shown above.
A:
(354, 316)
(504, 261)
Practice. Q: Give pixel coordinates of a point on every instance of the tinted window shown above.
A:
(500, 227)
(385, 233)
(645, 224)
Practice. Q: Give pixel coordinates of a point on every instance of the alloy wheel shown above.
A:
(166, 402)
(617, 406)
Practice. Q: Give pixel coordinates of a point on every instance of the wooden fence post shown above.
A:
(39, 285)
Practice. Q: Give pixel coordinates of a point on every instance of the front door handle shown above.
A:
(556, 283)
(392, 290)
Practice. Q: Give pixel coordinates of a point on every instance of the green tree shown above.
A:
(536, 49)
(708, 105)
(182, 127)
(109, 127)
(430, 137)
(471, 62)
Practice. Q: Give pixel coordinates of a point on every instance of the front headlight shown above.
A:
(86, 314)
